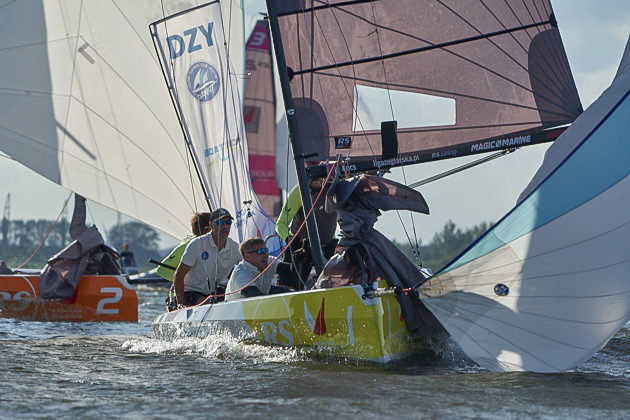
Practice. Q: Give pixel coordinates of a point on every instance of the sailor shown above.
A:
(128, 261)
(200, 225)
(289, 221)
(207, 261)
(249, 277)
(127, 256)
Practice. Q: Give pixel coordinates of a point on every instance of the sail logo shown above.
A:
(497, 144)
(177, 43)
(501, 289)
(395, 161)
(221, 152)
(203, 81)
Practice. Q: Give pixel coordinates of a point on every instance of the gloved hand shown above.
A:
(300, 255)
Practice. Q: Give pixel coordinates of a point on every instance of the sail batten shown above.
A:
(416, 50)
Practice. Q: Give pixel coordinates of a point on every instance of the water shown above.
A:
(114, 370)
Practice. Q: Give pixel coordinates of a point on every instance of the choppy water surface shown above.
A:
(118, 370)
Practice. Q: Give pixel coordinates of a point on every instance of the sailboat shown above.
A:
(259, 108)
(540, 291)
(535, 292)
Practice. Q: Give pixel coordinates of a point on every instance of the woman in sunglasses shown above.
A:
(256, 259)
(209, 259)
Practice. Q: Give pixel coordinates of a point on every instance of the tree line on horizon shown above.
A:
(23, 237)
(445, 245)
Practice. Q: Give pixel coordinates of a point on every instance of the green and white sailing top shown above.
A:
(173, 259)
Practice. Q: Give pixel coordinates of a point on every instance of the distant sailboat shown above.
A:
(259, 115)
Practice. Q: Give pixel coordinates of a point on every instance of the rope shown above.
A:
(47, 234)
(414, 247)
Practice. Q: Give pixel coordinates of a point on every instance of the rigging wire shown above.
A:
(414, 247)
(47, 234)
(226, 90)
(462, 167)
(348, 94)
(186, 141)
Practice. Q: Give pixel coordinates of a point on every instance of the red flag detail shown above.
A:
(320, 322)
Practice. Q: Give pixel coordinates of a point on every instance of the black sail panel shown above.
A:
(457, 77)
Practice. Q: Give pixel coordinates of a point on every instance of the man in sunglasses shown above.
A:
(256, 259)
(209, 259)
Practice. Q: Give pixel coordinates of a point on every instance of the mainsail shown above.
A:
(83, 104)
(259, 114)
(450, 78)
(548, 286)
(204, 87)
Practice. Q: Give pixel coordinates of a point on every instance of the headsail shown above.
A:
(259, 113)
(83, 103)
(456, 77)
(204, 87)
(548, 285)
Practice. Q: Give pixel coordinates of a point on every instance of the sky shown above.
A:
(594, 33)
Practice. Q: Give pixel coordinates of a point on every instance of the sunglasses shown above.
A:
(223, 222)
(260, 251)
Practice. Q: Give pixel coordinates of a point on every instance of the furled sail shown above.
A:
(204, 87)
(455, 77)
(549, 284)
(83, 102)
(259, 114)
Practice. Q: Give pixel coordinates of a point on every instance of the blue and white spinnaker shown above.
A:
(549, 284)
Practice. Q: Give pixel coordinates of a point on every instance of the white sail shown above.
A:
(549, 285)
(83, 102)
(204, 86)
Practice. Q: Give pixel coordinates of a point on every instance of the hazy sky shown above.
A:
(594, 35)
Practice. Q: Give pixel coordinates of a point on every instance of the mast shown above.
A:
(298, 155)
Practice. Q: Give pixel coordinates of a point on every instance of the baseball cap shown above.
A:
(219, 214)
